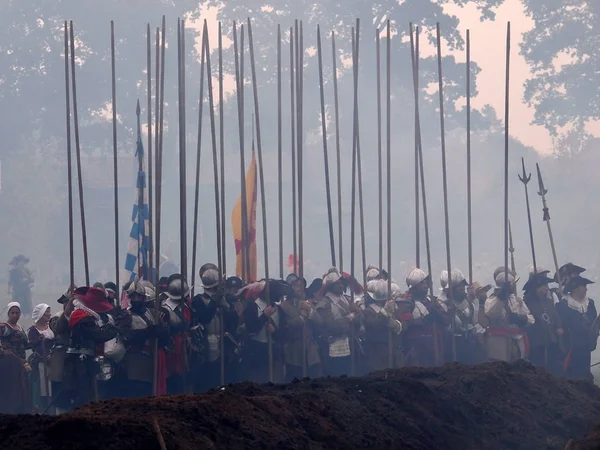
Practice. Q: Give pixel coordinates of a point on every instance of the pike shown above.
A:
(511, 248)
(506, 142)
(414, 45)
(525, 178)
(160, 95)
(213, 134)
(239, 79)
(150, 174)
(69, 165)
(300, 138)
(182, 148)
(444, 179)
(222, 155)
(279, 154)
(325, 154)
(78, 157)
(337, 151)
(542, 193)
(261, 175)
(388, 131)
(198, 154)
(293, 50)
(115, 161)
(468, 107)
(379, 143)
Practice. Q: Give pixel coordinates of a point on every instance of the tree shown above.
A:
(32, 91)
(562, 52)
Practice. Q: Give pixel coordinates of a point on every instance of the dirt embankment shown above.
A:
(491, 406)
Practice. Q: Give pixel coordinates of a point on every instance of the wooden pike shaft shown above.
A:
(389, 177)
(293, 51)
(182, 149)
(115, 154)
(379, 144)
(325, 154)
(156, 138)
(506, 141)
(511, 248)
(525, 180)
(338, 153)
(222, 155)
(69, 164)
(353, 192)
(78, 156)
(261, 180)
(198, 157)
(444, 178)
(415, 66)
(388, 131)
(279, 154)
(160, 148)
(149, 151)
(213, 134)
(300, 145)
(469, 216)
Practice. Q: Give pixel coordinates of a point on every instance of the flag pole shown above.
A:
(325, 154)
(213, 132)
(444, 180)
(198, 153)
(149, 149)
(279, 153)
(78, 155)
(69, 165)
(115, 157)
(338, 152)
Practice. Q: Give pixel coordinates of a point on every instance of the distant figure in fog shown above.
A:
(20, 282)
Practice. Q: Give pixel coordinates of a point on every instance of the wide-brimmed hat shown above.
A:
(537, 280)
(477, 287)
(177, 287)
(19, 259)
(576, 282)
(332, 276)
(567, 272)
(93, 298)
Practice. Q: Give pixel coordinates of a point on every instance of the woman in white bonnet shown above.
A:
(14, 389)
(41, 339)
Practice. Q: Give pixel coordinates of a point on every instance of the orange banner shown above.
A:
(236, 221)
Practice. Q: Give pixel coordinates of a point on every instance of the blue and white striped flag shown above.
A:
(139, 249)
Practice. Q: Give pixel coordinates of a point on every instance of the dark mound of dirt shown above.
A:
(590, 442)
(491, 406)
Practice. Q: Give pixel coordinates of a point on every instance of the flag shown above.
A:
(236, 222)
(138, 244)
